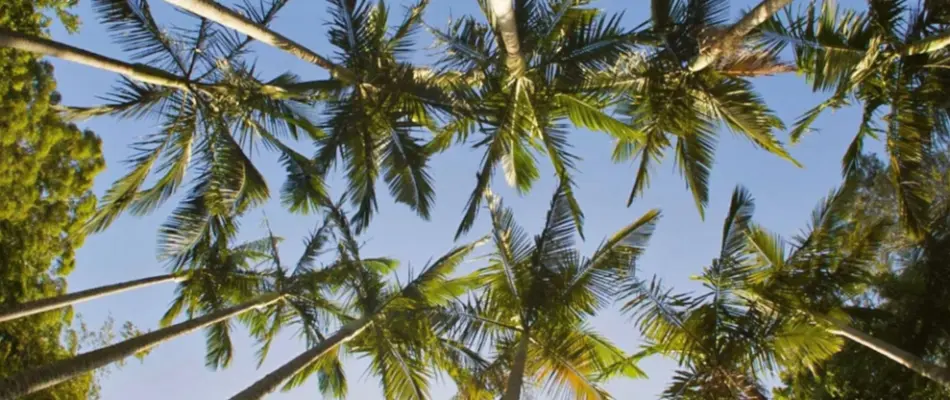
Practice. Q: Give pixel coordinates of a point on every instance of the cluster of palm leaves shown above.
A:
(530, 305)
(512, 84)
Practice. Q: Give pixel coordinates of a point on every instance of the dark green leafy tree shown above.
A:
(533, 307)
(891, 61)
(44, 199)
(724, 344)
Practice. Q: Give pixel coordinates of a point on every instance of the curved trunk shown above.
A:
(271, 381)
(755, 17)
(37, 379)
(38, 306)
(516, 376)
(507, 27)
(227, 17)
(66, 52)
(931, 371)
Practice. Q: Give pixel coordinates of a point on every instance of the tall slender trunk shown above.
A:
(66, 52)
(931, 371)
(755, 17)
(38, 306)
(516, 376)
(37, 379)
(507, 25)
(271, 381)
(225, 16)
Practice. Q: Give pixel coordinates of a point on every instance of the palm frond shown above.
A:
(613, 263)
(433, 287)
(137, 32)
(736, 224)
(314, 246)
(404, 375)
(124, 191)
(590, 115)
(220, 350)
(331, 378)
(129, 99)
(557, 235)
(694, 158)
(512, 245)
(768, 253)
(659, 313)
(556, 144)
(409, 181)
(482, 183)
(650, 150)
(743, 111)
(177, 159)
(475, 322)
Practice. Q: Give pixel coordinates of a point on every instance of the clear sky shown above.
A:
(681, 246)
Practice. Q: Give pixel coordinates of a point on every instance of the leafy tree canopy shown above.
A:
(45, 183)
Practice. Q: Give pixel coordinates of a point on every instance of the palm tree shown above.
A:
(827, 265)
(533, 306)
(43, 46)
(385, 322)
(723, 343)
(528, 72)
(39, 306)
(892, 60)
(211, 109)
(675, 104)
(375, 104)
(37, 379)
(221, 282)
(216, 282)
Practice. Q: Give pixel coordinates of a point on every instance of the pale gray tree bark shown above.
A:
(38, 306)
(31, 381)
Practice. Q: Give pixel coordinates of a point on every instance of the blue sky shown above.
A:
(682, 245)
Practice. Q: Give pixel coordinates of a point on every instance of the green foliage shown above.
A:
(392, 325)
(211, 131)
(765, 302)
(519, 117)
(904, 303)
(543, 291)
(674, 107)
(724, 340)
(890, 59)
(45, 197)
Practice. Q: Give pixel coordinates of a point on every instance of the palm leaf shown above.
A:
(736, 224)
(137, 32)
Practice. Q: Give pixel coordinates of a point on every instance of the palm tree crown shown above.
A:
(534, 304)
(724, 342)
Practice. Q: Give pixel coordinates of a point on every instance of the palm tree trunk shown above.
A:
(516, 376)
(507, 27)
(931, 371)
(66, 52)
(38, 306)
(271, 381)
(34, 380)
(755, 17)
(227, 17)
